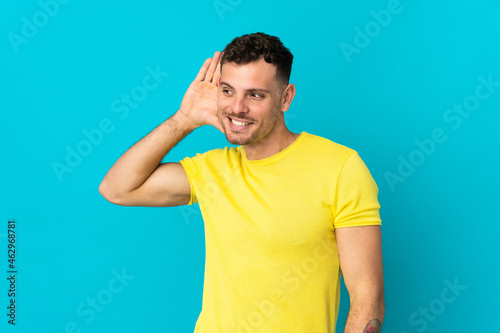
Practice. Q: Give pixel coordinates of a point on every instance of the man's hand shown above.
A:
(199, 104)
(139, 178)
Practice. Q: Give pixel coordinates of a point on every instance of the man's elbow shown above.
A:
(107, 192)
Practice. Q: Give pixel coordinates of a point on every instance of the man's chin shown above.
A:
(238, 140)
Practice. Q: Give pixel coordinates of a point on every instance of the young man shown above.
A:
(285, 213)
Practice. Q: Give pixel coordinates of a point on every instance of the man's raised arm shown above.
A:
(139, 178)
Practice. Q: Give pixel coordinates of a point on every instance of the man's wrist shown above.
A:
(183, 123)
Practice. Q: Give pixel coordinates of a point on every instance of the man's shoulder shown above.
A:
(324, 146)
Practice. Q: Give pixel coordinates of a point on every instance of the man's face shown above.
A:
(249, 94)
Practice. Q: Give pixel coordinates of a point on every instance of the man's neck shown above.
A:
(272, 145)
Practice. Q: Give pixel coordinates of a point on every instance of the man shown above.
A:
(285, 213)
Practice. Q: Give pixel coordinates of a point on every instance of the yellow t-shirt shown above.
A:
(271, 260)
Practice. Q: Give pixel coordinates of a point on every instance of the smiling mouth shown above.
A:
(239, 123)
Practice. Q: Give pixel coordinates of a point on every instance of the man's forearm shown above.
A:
(365, 317)
(140, 160)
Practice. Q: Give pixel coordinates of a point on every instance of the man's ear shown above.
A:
(287, 97)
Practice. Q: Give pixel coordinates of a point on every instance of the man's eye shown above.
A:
(226, 91)
(257, 95)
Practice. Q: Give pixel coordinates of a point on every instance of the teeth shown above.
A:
(239, 123)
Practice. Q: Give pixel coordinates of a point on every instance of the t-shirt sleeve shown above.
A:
(356, 202)
(192, 167)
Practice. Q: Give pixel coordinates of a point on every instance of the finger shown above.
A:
(203, 70)
(210, 74)
(217, 73)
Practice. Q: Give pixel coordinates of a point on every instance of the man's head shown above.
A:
(254, 88)
(251, 47)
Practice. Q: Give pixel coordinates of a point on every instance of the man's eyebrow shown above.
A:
(251, 89)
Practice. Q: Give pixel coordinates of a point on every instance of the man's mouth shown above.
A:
(239, 124)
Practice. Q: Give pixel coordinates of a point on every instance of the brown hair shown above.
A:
(251, 47)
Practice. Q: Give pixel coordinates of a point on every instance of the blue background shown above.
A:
(440, 224)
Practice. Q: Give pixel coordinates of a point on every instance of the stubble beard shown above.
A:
(255, 135)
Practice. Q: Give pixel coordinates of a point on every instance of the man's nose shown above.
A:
(239, 105)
